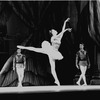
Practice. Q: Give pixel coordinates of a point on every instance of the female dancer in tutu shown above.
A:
(51, 49)
(56, 38)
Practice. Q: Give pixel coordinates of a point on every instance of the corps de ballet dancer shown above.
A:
(19, 65)
(82, 63)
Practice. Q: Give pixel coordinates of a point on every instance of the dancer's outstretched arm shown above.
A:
(60, 35)
(14, 63)
(39, 50)
(64, 25)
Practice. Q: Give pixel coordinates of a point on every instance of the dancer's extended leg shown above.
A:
(52, 63)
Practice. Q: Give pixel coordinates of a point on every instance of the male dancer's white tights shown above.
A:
(82, 76)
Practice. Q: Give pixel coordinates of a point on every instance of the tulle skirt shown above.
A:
(51, 51)
(55, 54)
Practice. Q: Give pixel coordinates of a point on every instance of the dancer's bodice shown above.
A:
(82, 55)
(82, 58)
(53, 52)
(19, 59)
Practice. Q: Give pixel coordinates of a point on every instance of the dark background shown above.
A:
(22, 19)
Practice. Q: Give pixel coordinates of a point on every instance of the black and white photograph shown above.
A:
(49, 46)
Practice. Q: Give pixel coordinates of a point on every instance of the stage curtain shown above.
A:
(25, 11)
(40, 17)
(36, 72)
(94, 20)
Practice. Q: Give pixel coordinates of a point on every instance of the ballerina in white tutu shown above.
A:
(56, 38)
(51, 49)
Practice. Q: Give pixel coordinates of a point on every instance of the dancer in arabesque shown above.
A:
(51, 49)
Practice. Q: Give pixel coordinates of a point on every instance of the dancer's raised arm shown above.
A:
(62, 32)
(60, 35)
(64, 25)
(39, 50)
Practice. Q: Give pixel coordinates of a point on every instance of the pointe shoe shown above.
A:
(57, 83)
(84, 84)
(78, 83)
(19, 85)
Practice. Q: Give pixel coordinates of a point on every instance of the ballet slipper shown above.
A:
(19, 85)
(84, 84)
(78, 83)
(57, 82)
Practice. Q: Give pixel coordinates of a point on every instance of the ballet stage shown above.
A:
(46, 89)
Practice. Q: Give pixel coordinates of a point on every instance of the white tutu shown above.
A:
(54, 54)
(50, 51)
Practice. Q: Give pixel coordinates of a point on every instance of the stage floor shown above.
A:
(46, 89)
